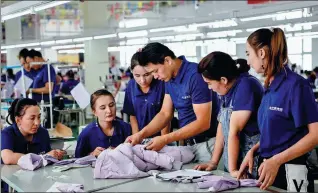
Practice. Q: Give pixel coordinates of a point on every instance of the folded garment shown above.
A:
(33, 161)
(70, 188)
(87, 160)
(220, 183)
(128, 161)
(65, 187)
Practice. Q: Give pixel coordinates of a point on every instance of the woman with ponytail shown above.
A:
(25, 135)
(287, 116)
(240, 95)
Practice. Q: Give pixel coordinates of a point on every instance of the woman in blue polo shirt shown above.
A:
(287, 116)
(25, 135)
(143, 98)
(241, 95)
(107, 131)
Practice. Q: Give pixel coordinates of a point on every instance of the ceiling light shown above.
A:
(63, 41)
(82, 39)
(63, 47)
(137, 41)
(3, 51)
(14, 15)
(75, 51)
(47, 43)
(49, 5)
(105, 36)
(133, 34)
(162, 38)
(133, 23)
(26, 45)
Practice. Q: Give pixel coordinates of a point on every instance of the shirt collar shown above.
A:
(182, 70)
(229, 94)
(279, 78)
(101, 135)
(36, 138)
(138, 91)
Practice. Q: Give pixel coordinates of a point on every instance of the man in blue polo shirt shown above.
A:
(197, 106)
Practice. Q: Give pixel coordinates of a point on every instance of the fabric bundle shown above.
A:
(128, 161)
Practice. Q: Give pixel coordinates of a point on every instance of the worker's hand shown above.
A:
(54, 153)
(134, 139)
(268, 172)
(247, 162)
(97, 151)
(60, 154)
(206, 166)
(156, 143)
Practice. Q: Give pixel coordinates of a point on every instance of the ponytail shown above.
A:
(18, 108)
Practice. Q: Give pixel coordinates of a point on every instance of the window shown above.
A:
(294, 45)
(296, 58)
(307, 62)
(307, 45)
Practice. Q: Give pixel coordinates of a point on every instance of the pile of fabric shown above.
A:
(128, 161)
(33, 161)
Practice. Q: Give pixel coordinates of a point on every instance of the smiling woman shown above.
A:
(107, 131)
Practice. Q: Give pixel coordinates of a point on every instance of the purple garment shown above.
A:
(220, 183)
(128, 161)
(33, 161)
(70, 188)
(87, 160)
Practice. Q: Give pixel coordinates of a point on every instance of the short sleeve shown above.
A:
(200, 92)
(128, 107)
(247, 96)
(303, 106)
(82, 148)
(46, 76)
(7, 141)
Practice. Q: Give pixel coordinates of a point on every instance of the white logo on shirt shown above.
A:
(186, 97)
(276, 109)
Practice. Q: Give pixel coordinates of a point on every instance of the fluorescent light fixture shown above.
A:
(49, 5)
(137, 41)
(3, 51)
(37, 49)
(79, 45)
(306, 34)
(133, 23)
(217, 24)
(75, 51)
(26, 45)
(47, 43)
(14, 15)
(223, 33)
(181, 28)
(63, 47)
(239, 40)
(187, 37)
(113, 49)
(164, 29)
(8, 47)
(82, 39)
(162, 38)
(105, 36)
(133, 34)
(257, 17)
(63, 41)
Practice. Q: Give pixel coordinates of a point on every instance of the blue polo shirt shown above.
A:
(68, 86)
(287, 107)
(189, 88)
(245, 94)
(92, 136)
(12, 139)
(41, 79)
(144, 106)
(31, 74)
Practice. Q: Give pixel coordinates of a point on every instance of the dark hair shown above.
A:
(154, 53)
(219, 64)
(23, 53)
(315, 69)
(275, 46)
(97, 94)
(18, 108)
(10, 73)
(31, 54)
(134, 60)
(70, 74)
(37, 54)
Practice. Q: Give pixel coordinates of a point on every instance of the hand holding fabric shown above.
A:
(134, 139)
(156, 143)
(97, 151)
(247, 162)
(54, 153)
